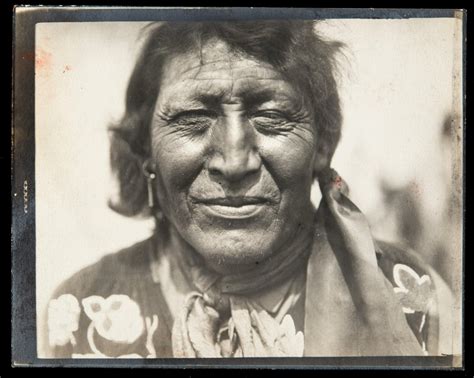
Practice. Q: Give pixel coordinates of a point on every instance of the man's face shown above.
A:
(234, 148)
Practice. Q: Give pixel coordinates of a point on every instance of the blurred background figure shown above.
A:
(405, 215)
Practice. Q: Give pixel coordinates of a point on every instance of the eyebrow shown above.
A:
(259, 96)
(251, 97)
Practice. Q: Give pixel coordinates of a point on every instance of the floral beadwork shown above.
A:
(63, 320)
(151, 327)
(414, 292)
(116, 318)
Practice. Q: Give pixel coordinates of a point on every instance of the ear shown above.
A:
(322, 159)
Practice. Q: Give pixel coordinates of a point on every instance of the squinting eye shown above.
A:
(271, 121)
(194, 113)
(271, 115)
(194, 120)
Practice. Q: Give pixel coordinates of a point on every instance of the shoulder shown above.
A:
(112, 270)
(108, 309)
(406, 269)
(414, 280)
(426, 299)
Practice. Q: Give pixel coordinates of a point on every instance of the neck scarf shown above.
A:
(221, 319)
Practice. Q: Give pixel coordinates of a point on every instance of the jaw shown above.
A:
(239, 249)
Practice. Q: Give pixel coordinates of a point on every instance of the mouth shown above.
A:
(233, 207)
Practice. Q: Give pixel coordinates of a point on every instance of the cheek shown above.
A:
(178, 161)
(290, 160)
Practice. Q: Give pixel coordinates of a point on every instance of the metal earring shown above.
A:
(150, 177)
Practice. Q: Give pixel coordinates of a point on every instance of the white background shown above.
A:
(396, 86)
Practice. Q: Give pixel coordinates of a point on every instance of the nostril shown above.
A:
(214, 171)
(215, 164)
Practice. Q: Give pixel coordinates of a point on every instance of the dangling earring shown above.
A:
(150, 177)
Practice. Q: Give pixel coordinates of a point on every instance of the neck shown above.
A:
(286, 256)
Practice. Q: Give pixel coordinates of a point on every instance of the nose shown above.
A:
(235, 155)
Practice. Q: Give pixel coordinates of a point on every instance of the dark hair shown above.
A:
(303, 57)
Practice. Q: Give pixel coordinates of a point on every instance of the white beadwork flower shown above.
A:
(290, 342)
(116, 318)
(63, 320)
(414, 292)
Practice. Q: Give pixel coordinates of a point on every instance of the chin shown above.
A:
(235, 248)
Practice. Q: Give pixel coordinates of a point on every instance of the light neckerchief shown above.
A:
(233, 315)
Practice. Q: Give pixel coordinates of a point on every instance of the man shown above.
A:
(227, 126)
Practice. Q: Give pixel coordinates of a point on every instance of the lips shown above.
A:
(233, 201)
(232, 207)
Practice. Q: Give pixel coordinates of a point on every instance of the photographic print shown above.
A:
(241, 186)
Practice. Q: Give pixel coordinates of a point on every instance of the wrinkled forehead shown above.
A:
(216, 69)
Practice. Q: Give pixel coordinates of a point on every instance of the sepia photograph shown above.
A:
(245, 187)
